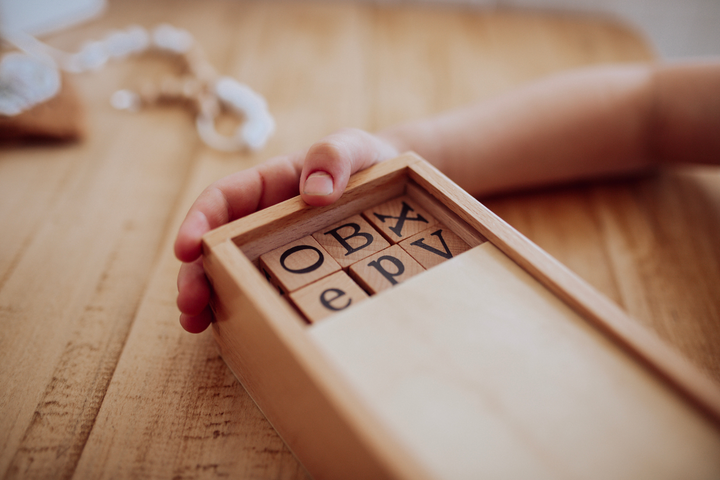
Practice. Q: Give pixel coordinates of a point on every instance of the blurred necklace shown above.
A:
(32, 77)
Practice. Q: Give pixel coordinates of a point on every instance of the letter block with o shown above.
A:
(297, 264)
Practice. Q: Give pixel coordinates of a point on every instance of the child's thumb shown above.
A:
(330, 162)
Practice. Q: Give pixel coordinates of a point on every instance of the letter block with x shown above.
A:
(399, 219)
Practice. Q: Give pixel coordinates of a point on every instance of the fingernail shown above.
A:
(318, 184)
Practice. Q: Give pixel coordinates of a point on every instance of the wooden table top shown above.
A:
(97, 379)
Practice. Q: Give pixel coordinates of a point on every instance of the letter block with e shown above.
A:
(351, 240)
(385, 269)
(327, 296)
(297, 264)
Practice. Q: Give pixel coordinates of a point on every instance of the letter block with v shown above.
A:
(399, 219)
(434, 246)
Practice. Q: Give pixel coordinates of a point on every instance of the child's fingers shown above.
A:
(330, 162)
(235, 196)
(197, 323)
(193, 288)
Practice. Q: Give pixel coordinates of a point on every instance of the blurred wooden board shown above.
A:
(98, 379)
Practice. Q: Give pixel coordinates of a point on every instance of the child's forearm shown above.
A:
(596, 122)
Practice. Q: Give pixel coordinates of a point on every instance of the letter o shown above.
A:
(297, 248)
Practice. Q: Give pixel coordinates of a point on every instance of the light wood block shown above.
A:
(434, 246)
(385, 269)
(483, 373)
(297, 264)
(399, 218)
(327, 296)
(351, 240)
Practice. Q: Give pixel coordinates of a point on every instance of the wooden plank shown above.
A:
(606, 316)
(482, 372)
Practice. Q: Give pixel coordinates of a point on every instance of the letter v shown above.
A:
(445, 254)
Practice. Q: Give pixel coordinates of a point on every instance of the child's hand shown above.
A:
(320, 176)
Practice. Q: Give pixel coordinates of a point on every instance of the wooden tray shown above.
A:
(497, 363)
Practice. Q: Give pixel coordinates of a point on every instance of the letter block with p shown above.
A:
(385, 269)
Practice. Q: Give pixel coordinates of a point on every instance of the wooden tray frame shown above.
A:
(310, 404)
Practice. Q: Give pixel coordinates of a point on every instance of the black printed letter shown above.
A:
(298, 248)
(389, 276)
(326, 301)
(421, 244)
(356, 233)
(406, 209)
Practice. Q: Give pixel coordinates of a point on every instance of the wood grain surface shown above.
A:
(98, 380)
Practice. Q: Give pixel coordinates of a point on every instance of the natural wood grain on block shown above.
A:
(297, 264)
(351, 240)
(385, 269)
(434, 246)
(399, 218)
(329, 295)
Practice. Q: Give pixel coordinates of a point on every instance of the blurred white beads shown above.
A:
(26, 81)
(172, 39)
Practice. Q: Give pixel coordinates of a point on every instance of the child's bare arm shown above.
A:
(596, 122)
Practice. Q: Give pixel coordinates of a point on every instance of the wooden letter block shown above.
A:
(327, 296)
(351, 240)
(385, 269)
(434, 245)
(399, 219)
(297, 264)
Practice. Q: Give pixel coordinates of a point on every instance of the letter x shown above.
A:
(406, 209)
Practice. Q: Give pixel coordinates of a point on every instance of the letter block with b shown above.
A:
(350, 240)
(297, 264)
